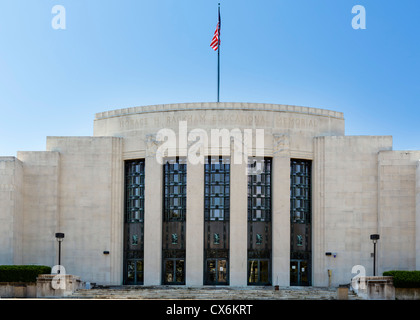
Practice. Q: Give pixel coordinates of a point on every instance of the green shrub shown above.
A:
(405, 279)
(23, 273)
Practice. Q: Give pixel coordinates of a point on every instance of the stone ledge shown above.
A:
(17, 289)
(219, 106)
(46, 286)
(375, 288)
(57, 286)
(407, 293)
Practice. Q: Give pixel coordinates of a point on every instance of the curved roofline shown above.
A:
(218, 106)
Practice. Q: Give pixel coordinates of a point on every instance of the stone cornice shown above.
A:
(219, 106)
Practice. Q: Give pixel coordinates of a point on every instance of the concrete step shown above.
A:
(208, 293)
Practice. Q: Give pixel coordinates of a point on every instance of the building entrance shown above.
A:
(299, 273)
(134, 272)
(174, 271)
(216, 272)
(258, 272)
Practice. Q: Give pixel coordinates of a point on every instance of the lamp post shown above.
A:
(59, 237)
(374, 238)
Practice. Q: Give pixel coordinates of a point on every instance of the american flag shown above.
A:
(215, 42)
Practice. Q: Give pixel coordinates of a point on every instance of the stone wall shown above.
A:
(41, 196)
(299, 124)
(397, 210)
(91, 206)
(407, 293)
(57, 286)
(345, 204)
(11, 210)
(374, 288)
(46, 286)
(17, 290)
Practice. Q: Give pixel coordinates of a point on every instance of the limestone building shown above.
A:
(158, 196)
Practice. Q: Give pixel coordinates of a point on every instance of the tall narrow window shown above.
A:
(134, 222)
(259, 225)
(174, 220)
(300, 220)
(175, 190)
(216, 220)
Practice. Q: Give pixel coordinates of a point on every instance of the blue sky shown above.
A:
(126, 53)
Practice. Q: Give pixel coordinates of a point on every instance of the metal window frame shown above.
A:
(217, 166)
(260, 221)
(134, 191)
(134, 187)
(216, 175)
(260, 201)
(174, 203)
(301, 216)
(300, 191)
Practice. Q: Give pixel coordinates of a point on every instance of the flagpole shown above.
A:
(218, 60)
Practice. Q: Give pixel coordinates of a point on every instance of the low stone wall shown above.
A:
(374, 288)
(17, 290)
(407, 293)
(382, 288)
(57, 286)
(46, 286)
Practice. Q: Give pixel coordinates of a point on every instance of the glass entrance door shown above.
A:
(174, 272)
(299, 273)
(216, 272)
(134, 272)
(258, 272)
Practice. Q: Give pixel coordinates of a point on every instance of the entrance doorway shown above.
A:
(134, 272)
(259, 272)
(174, 271)
(216, 272)
(299, 273)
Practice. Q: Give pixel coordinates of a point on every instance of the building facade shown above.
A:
(235, 194)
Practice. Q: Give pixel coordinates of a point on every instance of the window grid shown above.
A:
(217, 189)
(259, 194)
(134, 191)
(300, 191)
(175, 189)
